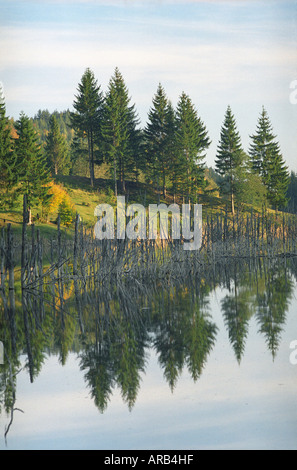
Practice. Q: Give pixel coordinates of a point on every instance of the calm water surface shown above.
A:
(203, 364)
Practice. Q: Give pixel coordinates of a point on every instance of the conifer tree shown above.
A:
(292, 193)
(230, 155)
(56, 149)
(175, 175)
(8, 174)
(66, 212)
(156, 136)
(119, 130)
(192, 140)
(79, 156)
(31, 163)
(86, 119)
(267, 161)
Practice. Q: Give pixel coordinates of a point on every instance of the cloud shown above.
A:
(49, 73)
(73, 47)
(242, 54)
(144, 2)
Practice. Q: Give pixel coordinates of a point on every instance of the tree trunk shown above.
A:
(189, 180)
(24, 240)
(164, 178)
(123, 176)
(232, 203)
(115, 177)
(90, 160)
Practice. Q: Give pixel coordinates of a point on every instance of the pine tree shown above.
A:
(156, 136)
(56, 149)
(79, 156)
(135, 156)
(119, 130)
(292, 193)
(86, 120)
(175, 175)
(263, 144)
(229, 155)
(8, 174)
(250, 188)
(192, 140)
(267, 161)
(66, 212)
(31, 163)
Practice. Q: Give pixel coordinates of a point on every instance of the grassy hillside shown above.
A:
(84, 200)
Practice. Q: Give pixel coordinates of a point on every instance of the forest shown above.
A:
(101, 138)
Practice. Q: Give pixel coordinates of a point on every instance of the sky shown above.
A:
(219, 52)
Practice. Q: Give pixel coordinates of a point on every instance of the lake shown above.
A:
(202, 363)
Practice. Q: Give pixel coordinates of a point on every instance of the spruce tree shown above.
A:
(192, 141)
(86, 119)
(229, 156)
(8, 173)
(79, 156)
(175, 169)
(31, 163)
(156, 137)
(66, 212)
(278, 182)
(267, 161)
(119, 130)
(134, 156)
(292, 193)
(262, 145)
(56, 149)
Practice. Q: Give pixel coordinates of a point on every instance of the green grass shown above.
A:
(85, 199)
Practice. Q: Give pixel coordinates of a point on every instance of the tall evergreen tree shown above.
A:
(79, 156)
(31, 163)
(267, 161)
(8, 174)
(56, 149)
(292, 193)
(86, 120)
(119, 130)
(175, 175)
(156, 136)
(192, 141)
(230, 155)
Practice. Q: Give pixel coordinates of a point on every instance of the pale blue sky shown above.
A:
(241, 53)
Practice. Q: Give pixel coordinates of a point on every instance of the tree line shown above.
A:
(169, 152)
(171, 149)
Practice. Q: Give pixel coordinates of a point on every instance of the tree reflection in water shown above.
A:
(112, 326)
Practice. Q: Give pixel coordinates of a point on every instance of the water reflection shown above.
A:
(112, 326)
(264, 291)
